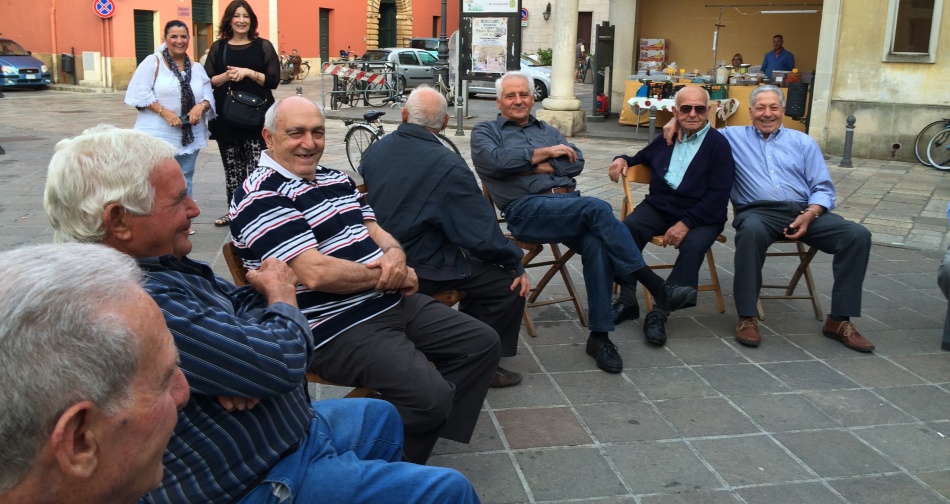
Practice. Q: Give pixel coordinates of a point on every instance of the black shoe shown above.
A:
(605, 352)
(504, 378)
(673, 297)
(623, 312)
(654, 328)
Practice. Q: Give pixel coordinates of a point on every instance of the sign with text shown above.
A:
(490, 6)
(490, 38)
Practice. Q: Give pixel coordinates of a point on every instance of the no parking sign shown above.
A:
(104, 8)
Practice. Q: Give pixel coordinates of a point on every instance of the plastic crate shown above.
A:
(717, 91)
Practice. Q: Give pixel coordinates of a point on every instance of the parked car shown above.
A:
(18, 68)
(426, 44)
(541, 75)
(413, 66)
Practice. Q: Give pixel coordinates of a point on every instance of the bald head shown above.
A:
(294, 132)
(692, 104)
(426, 107)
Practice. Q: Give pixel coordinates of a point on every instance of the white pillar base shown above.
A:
(568, 122)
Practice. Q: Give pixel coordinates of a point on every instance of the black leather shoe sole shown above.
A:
(623, 312)
(674, 297)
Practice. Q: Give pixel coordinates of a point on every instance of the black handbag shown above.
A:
(243, 109)
(240, 108)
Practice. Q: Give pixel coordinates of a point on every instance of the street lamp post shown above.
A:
(443, 62)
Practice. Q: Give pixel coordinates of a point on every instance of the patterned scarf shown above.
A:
(187, 97)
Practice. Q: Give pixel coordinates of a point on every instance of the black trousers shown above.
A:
(488, 298)
(646, 222)
(390, 353)
(760, 223)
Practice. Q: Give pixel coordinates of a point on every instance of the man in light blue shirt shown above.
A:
(778, 58)
(783, 190)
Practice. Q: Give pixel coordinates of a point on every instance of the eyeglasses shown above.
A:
(686, 109)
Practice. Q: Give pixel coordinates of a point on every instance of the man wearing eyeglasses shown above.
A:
(689, 189)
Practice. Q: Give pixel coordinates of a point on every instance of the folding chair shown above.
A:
(640, 174)
(239, 274)
(803, 270)
(557, 264)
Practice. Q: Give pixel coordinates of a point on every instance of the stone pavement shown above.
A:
(701, 420)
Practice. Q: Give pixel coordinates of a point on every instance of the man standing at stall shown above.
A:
(778, 58)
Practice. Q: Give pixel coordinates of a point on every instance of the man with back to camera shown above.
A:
(528, 169)
(238, 346)
(369, 326)
(783, 190)
(425, 195)
(778, 58)
(91, 384)
(689, 190)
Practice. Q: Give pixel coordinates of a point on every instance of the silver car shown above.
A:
(413, 66)
(541, 75)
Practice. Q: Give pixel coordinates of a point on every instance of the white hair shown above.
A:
(270, 117)
(61, 342)
(103, 165)
(768, 88)
(512, 74)
(422, 112)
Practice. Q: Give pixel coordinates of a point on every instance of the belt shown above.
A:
(557, 190)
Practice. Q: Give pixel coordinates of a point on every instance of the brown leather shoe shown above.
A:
(504, 378)
(747, 332)
(847, 334)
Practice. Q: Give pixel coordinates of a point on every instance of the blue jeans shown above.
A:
(353, 454)
(187, 163)
(589, 227)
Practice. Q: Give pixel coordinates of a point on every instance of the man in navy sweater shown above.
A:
(686, 204)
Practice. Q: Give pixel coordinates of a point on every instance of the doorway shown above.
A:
(144, 22)
(584, 22)
(387, 23)
(324, 35)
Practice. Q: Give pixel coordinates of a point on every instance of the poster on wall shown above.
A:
(490, 6)
(489, 37)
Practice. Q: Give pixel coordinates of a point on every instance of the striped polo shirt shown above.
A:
(276, 213)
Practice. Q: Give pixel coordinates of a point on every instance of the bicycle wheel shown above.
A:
(353, 93)
(449, 143)
(920, 143)
(357, 140)
(938, 150)
(376, 93)
(304, 71)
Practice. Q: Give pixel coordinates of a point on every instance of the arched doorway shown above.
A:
(388, 23)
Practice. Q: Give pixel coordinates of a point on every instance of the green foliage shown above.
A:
(544, 56)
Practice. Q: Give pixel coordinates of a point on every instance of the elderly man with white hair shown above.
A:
(249, 432)
(426, 196)
(91, 384)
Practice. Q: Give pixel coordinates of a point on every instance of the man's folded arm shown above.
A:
(251, 352)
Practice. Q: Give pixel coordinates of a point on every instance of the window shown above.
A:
(427, 58)
(407, 58)
(913, 28)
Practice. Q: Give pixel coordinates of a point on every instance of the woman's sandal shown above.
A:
(222, 221)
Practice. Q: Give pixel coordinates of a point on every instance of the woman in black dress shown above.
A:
(242, 61)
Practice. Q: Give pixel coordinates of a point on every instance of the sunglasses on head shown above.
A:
(686, 109)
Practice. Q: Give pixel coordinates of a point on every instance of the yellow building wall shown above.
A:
(689, 25)
(891, 102)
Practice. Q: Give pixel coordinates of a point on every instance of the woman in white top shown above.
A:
(174, 98)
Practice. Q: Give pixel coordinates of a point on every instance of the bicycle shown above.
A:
(377, 92)
(583, 68)
(921, 143)
(304, 70)
(361, 134)
(938, 149)
(440, 85)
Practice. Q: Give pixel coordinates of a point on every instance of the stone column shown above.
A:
(623, 15)
(562, 108)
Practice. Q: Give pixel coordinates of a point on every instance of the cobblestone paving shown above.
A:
(701, 420)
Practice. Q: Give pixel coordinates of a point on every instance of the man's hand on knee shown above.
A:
(674, 236)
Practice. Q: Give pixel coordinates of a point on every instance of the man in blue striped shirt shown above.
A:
(249, 430)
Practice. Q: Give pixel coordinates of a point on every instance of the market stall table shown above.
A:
(639, 105)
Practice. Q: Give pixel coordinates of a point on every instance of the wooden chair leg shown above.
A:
(714, 281)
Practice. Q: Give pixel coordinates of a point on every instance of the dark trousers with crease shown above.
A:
(390, 353)
(488, 298)
(645, 222)
(760, 223)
